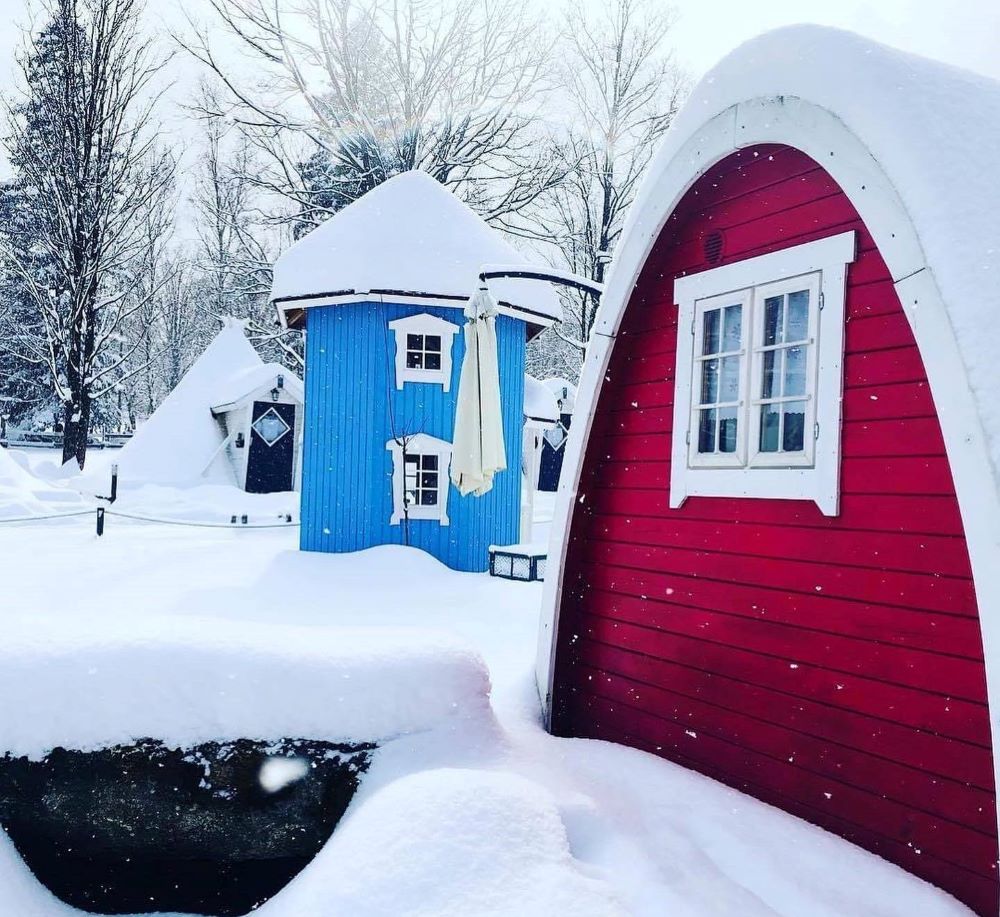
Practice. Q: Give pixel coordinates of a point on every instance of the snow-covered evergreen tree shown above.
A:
(89, 176)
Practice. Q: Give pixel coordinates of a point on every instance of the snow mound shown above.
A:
(448, 842)
(191, 680)
(408, 235)
(23, 494)
(21, 894)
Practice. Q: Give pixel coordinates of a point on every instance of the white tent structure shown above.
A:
(229, 406)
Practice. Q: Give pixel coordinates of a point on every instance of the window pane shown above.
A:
(793, 435)
(414, 359)
(727, 429)
(706, 431)
(414, 342)
(733, 325)
(432, 361)
(432, 342)
(710, 382)
(430, 462)
(795, 370)
(769, 424)
(797, 327)
(730, 388)
(429, 479)
(770, 384)
(710, 332)
(772, 320)
(428, 498)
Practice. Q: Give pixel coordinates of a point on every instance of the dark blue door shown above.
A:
(553, 449)
(271, 461)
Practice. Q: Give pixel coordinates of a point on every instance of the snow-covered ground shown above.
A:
(470, 808)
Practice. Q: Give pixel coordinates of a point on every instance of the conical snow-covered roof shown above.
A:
(408, 236)
(181, 440)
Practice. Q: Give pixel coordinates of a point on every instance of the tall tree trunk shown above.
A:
(76, 425)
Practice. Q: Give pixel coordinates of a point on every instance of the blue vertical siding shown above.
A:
(347, 471)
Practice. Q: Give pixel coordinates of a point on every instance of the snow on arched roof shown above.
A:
(935, 132)
(408, 235)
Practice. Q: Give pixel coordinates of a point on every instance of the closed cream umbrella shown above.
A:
(478, 451)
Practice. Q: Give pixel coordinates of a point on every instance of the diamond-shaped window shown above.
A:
(556, 437)
(270, 426)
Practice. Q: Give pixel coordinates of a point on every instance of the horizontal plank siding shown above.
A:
(832, 666)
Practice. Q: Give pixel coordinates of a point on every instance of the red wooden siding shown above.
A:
(830, 666)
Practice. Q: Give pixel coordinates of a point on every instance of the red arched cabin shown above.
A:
(780, 516)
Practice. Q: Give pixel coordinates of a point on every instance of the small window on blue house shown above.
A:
(424, 344)
(419, 478)
(423, 351)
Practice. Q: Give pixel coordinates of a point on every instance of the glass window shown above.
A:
(423, 351)
(720, 370)
(753, 402)
(421, 480)
(780, 380)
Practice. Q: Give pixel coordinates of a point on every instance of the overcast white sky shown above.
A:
(962, 32)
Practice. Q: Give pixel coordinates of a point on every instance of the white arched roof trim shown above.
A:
(824, 137)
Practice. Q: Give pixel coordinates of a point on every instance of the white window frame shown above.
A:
(424, 324)
(708, 304)
(758, 459)
(419, 444)
(814, 474)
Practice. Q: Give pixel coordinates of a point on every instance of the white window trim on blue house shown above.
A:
(424, 324)
(419, 444)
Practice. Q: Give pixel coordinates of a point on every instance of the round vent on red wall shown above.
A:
(713, 247)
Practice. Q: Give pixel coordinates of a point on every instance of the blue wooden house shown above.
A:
(380, 290)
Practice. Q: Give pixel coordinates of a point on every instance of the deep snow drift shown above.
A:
(73, 686)
(23, 494)
(468, 810)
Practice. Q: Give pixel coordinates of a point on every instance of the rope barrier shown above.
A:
(79, 512)
(133, 516)
(103, 511)
(202, 524)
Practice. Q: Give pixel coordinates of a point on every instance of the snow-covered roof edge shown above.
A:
(246, 385)
(438, 245)
(539, 402)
